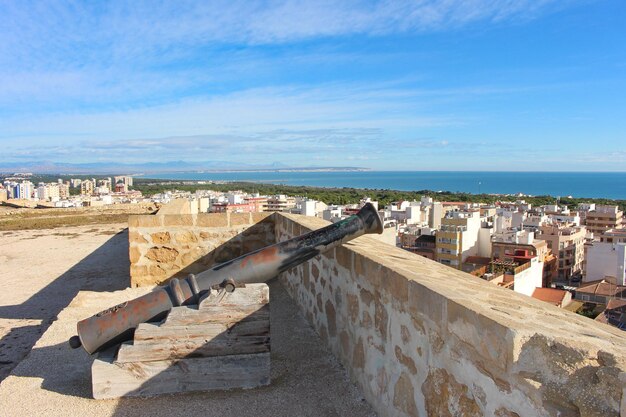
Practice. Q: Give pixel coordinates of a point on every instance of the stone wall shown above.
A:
(422, 339)
(165, 245)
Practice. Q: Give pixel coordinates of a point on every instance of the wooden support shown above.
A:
(222, 343)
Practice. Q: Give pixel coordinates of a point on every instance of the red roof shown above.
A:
(550, 295)
(603, 288)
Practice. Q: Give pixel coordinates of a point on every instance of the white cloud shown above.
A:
(63, 33)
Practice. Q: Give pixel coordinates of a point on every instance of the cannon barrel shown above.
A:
(118, 323)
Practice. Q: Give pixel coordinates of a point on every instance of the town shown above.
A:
(573, 259)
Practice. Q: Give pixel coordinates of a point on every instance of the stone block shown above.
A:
(396, 284)
(369, 269)
(358, 355)
(162, 254)
(353, 308)
(157, 271)
(263, 216)
(424, 302)
(404, 397)
(490, 340)
(160, 238)
(178, 220)
(446, 397)
(344, 257)
(239, 219)
(144, 220)
(186, 236)
(381, 317)
(346, 347)
(212, 220)
(136, 237)
(331, 318)
(405, 360)
(134, 254)
(138, 271)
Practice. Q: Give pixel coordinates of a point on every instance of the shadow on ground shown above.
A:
(109, 261)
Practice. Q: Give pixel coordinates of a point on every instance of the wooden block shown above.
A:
(114, 380)
(151, 333)
(216, 314)
(222, 343)
(175, 342)
(251, 294)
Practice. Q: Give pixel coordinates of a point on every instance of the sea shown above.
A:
(610, 185)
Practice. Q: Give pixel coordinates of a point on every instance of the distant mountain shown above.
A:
(50, 167)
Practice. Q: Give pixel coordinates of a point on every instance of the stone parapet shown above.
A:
(420, 338)
(163, 246)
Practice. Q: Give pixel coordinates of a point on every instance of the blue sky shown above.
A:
(393, 85)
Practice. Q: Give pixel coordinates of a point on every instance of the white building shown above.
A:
(24, 190)
(526, 281)
(607, 257)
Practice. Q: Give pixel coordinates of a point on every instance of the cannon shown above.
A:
(118, 323)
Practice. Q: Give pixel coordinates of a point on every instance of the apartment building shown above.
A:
(87, 187)
(604, 218)
(606, 258)
(566, 241)
(280, 203)
(461, 236)
(523, 245)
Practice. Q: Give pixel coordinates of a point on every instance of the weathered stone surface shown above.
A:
(138, 270)
(263, 216)
(397, 285)
(239, 219)
(178, 220)
(503, 412)
(403, 396)
(212, 220)
(344, 340)
(160, 238)
(186, 237)
(366, 296)
(134, 254)
(405, 360)
(366, 320)
(157, 271)
(191, 256)
(445, 397)
(569, 380)
(405, 334)
(144, 220)
(358, 355)
(381, 318)
(162, 254)
(136, 237)
(344, 257)
(331, 319)
(353, 307)
(315, 271)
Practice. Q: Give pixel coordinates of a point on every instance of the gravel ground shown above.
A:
(46, 271)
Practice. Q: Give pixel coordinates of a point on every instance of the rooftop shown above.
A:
(550, 295)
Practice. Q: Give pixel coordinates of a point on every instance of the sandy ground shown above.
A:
(43, 271)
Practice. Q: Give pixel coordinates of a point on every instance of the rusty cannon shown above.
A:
(118, 323)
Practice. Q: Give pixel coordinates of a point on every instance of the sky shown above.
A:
(515, 85)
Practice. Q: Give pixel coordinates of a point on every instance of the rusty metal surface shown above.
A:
(117, 324)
